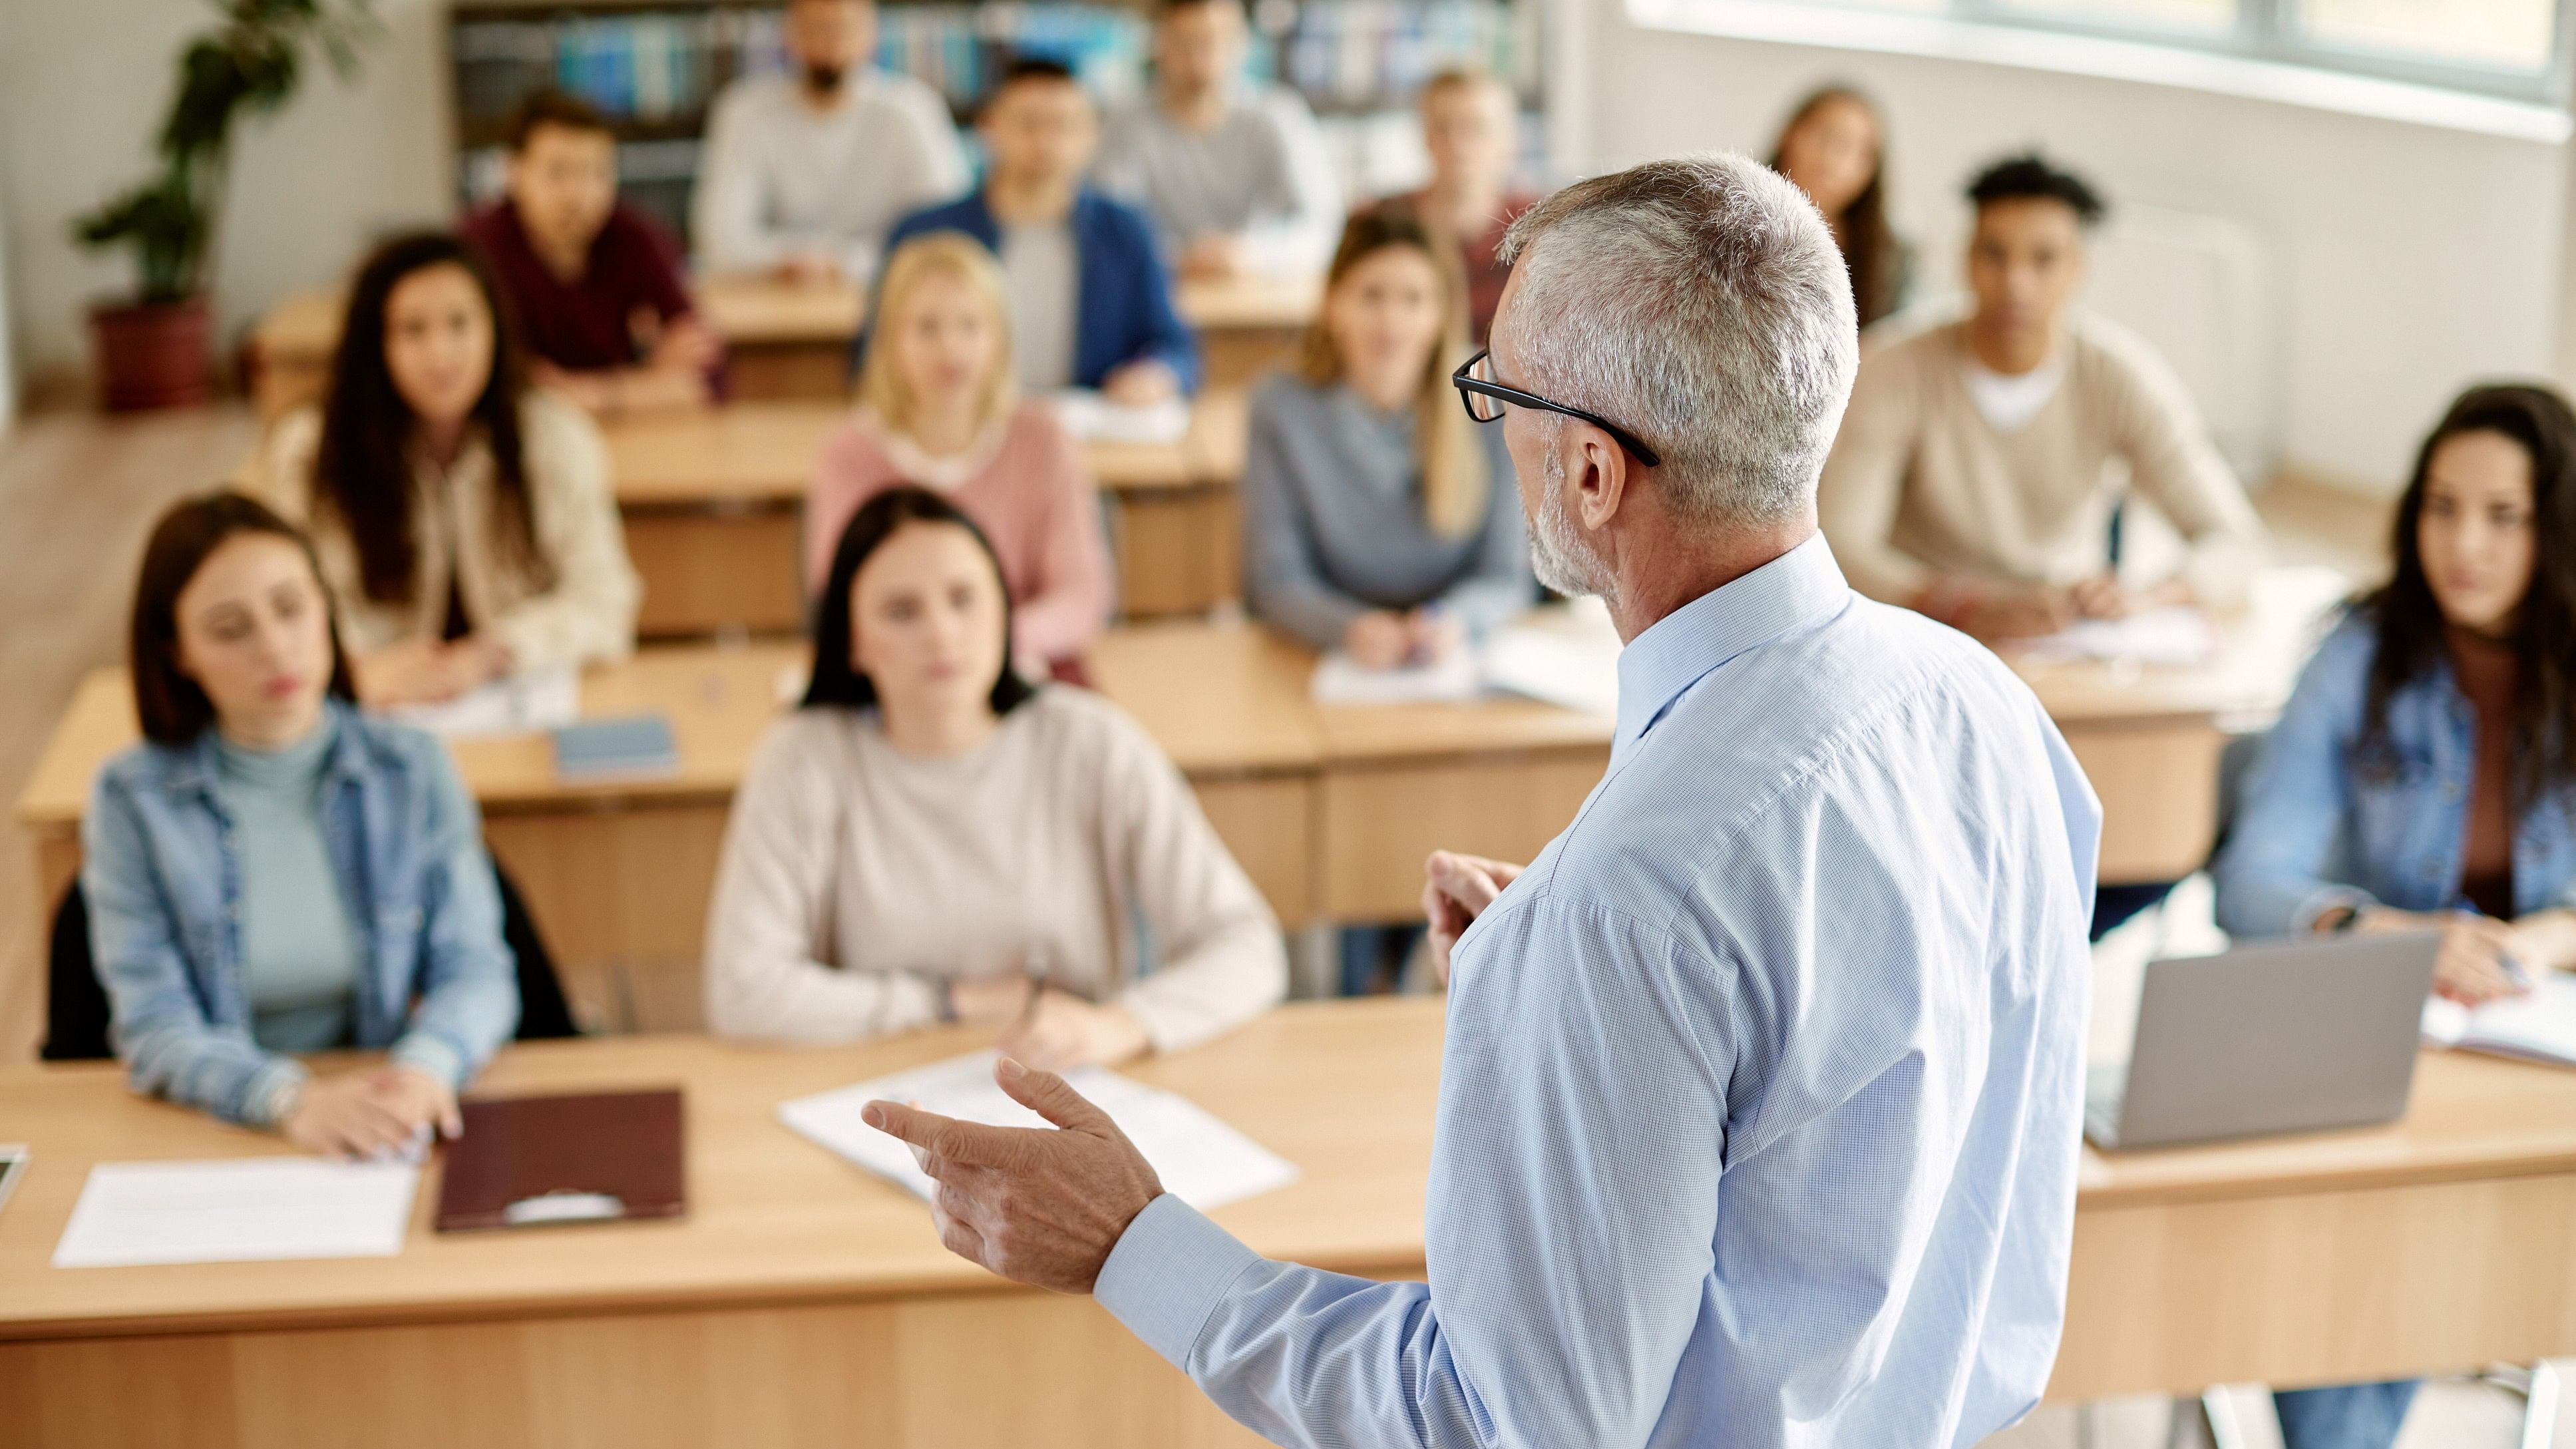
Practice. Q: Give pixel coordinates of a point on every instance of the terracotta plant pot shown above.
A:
(154, 354)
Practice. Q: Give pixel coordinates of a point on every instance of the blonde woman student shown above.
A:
(1376, 517)
(937, 408)
(930, 838)
(464, 520)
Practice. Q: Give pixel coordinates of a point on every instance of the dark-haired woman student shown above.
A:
(272, 872)
(2419, 778)
(464, 520)
(931, 839)
(1834, 147)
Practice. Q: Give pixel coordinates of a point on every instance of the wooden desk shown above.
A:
(1248, 325)
(1390, 783)
(2149, 737)
(803, 1302)
(713, 503)
(783, 340)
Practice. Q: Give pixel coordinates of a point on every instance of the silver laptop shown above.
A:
(2280, 1037)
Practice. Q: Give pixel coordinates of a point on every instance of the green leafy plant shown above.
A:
(247, 65)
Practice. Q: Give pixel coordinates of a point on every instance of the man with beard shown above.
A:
(1758, 1116)
(805, 171)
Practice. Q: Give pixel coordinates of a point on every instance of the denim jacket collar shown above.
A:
(189, 769)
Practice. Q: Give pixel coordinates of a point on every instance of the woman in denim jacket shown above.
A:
(2419, 777)
(273, 872)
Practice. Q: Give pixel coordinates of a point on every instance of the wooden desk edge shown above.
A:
(953, 1280)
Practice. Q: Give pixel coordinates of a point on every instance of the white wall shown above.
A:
(84, 82)
(2410, 259)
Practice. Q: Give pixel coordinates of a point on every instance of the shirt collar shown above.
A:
(1683, 646)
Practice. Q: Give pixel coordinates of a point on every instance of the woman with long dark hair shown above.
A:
(931, 838)
(464, 520)
(2419, 778)
(1834, 147)
(272, 872)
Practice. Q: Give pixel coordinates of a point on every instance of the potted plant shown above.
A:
(156, 349)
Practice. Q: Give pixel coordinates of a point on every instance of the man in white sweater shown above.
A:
(804, 172)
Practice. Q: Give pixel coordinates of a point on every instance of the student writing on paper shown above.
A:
(2418, 778)
(1835, 148)
(1233, 173)
(273, 872)
(1978, 465)
(1376, 517)
(930, 838)
(938, 409)
(805, 171)
(463, 518)
(596, 283)
(1471, 131)
(1089, 303)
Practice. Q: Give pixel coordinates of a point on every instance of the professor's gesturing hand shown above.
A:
(1041, 1207)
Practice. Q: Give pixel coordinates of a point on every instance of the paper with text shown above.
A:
(1200, 1159)
(244, 1210)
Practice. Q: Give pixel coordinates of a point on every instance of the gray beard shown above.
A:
(1558, 555)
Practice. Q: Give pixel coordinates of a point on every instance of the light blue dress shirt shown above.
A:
(1758, 1117)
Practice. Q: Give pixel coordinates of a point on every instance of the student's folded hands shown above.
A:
(1062, 1031)
(381, 1112)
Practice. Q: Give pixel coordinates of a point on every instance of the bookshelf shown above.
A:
(654, 66)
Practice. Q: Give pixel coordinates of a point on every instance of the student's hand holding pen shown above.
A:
(1061, 1031)
(2476, 961)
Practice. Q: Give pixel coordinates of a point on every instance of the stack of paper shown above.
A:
(545, 700)
(245, 1210)
(2178, 637)
(1339, 679)
(2539, 1026)
(1204, 1162)
(1094, 418)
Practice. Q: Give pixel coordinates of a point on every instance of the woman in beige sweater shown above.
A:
(931, 839)
(464, 521)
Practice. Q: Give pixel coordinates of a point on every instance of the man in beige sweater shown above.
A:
(1981, 460)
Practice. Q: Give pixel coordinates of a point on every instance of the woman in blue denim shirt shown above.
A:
(272, 872)
(2418, 778)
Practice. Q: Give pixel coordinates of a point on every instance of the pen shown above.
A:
(1037, 986)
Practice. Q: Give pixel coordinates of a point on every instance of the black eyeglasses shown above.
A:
(1484, 398)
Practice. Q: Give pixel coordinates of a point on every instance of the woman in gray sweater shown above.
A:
(1377, 519)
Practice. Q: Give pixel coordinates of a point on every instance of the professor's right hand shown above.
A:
(1455, 891)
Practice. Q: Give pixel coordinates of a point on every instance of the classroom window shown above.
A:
(2511, 50)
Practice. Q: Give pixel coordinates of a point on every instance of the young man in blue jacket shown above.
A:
(1091, 305)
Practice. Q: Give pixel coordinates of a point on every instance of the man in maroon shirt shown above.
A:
(602, 307)
(1471, 128)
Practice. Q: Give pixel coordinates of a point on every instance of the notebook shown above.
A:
(2538, 1027)
(630, 747)
(529, 1161)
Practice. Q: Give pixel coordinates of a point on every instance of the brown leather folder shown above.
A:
(596, 1157)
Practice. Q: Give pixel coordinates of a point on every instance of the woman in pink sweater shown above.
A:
(937, 409)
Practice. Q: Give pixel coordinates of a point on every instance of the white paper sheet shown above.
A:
(549, 699)
(2159, 636)
(1339, 679)
(2538, 1027)
(1200, 1159)
(248, 1210)
(1566, 656)
(1090, 416)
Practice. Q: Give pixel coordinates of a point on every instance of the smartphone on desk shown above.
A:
(13, 1165)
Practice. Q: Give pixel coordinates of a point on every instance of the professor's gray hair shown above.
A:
(1700, 303)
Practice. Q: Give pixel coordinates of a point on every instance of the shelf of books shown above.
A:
(654, 66)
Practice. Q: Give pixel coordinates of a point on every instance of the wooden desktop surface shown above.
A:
(2431, 1244)
(764, 453)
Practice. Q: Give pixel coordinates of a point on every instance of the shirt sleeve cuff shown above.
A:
(270, 1089)
(429, 1055)
(2303, 920)
(1167, 1273)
